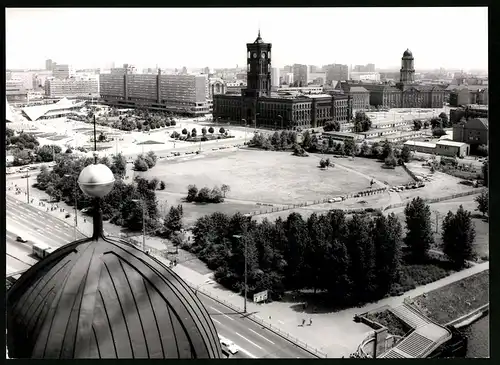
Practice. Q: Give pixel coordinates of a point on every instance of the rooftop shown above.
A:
(37, 111)
(420, 144)
(450, 143)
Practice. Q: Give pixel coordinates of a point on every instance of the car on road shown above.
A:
(20, 239)
(231, 347)
(67, 215)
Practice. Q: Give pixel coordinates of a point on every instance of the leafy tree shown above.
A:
(387, 235)
(153, 184)
(458, 234)
(331, 126)
(192, 193)
(298, 239)
(327, 163)
(436, 122)
(204, 131)
(419, 237)
(152, 156)
(222, 130)
(45, 153)
(175, 134)
(361, 122)
(119, 165)
(482, 150)
(390, 161)
(306, 140)
(331, 143)
(173, 122)
(211, 130)
(483, 202)
(225, 189)
(387, 150)
(405, 154)
(101, 138)
(362, 255)
(322, 163)
(339, 148)
(203, 195)
(173, 221)
(438, 132)
(299, 151)
(215, 195)
(185, 131)
(349, 147)
(444, 120)
(485, 169)
(194, 132)
(365, 149)
(275, 139)
(162, 185)
(69, 151)
(140, 164)
(417, 125)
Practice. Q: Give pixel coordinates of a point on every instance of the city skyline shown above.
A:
(207, 41)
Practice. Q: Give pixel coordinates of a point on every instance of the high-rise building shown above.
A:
(15, 90)
(300, 74)
(48, 64)
(72, 87)
(336, 72)
(62, 72)
(185, 94)
(289, 78)
(275, 77)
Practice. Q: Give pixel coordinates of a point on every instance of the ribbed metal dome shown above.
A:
(407, 53)
(105, 298)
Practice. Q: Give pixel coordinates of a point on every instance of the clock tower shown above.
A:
(258, 69)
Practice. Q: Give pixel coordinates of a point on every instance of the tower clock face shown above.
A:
(255, 55)
(263, 55)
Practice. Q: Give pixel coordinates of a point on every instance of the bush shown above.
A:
(162, 185)
(140, 164)
(173, 123)
(204, 139)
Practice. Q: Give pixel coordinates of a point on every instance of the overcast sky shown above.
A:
(216, 37)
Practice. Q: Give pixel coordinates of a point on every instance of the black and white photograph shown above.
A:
(247, 183)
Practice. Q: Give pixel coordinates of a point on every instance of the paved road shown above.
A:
(253, 340)
(37, 226)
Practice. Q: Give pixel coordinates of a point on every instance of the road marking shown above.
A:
(281, 322)
(258, 334)
(225, 315)
(213, 319)
(253, 343)
(246, 352)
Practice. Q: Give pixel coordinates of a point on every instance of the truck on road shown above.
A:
(42, 250)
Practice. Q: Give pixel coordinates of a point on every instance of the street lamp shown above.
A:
(238, 237)
(76, 215)
(28, 187)
(143, 222)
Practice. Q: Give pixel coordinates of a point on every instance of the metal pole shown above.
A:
(246, 288)
(143, 226)
(28, 187)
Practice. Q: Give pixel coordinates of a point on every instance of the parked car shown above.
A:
(20, 239)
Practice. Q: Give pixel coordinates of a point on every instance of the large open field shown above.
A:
(260, 176)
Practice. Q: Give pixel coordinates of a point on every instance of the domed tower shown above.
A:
(407, 72)
(100, 297)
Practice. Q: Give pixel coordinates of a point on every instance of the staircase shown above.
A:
(409, 316)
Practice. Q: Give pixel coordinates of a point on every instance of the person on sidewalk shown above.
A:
(303, 322)
(310, 321)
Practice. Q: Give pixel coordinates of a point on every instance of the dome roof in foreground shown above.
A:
(105, 298)
(407, 53)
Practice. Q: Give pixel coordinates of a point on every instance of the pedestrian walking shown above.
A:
(303, 322)
(310, 321)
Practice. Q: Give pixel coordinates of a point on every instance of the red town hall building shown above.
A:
(260, 107)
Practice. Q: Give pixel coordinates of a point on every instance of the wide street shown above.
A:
(252, 340)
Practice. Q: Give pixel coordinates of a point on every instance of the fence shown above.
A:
(321, 201)
(437, 200)
(260, 321)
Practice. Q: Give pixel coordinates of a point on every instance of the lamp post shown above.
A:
(143, 222)
(238, 237)
(76, 210)
(255, 120)
(279, 116)
(28, 187)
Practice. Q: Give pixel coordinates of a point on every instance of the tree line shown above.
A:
(353, 260)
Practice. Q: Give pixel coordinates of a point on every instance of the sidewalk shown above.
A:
(333, 333)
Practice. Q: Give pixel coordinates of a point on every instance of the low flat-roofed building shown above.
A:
(340, 136)
(419, 146)
(452, 148)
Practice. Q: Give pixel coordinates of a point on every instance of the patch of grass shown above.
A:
(150, 142)
(394, 325)
(456, 299)
(259, 176)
